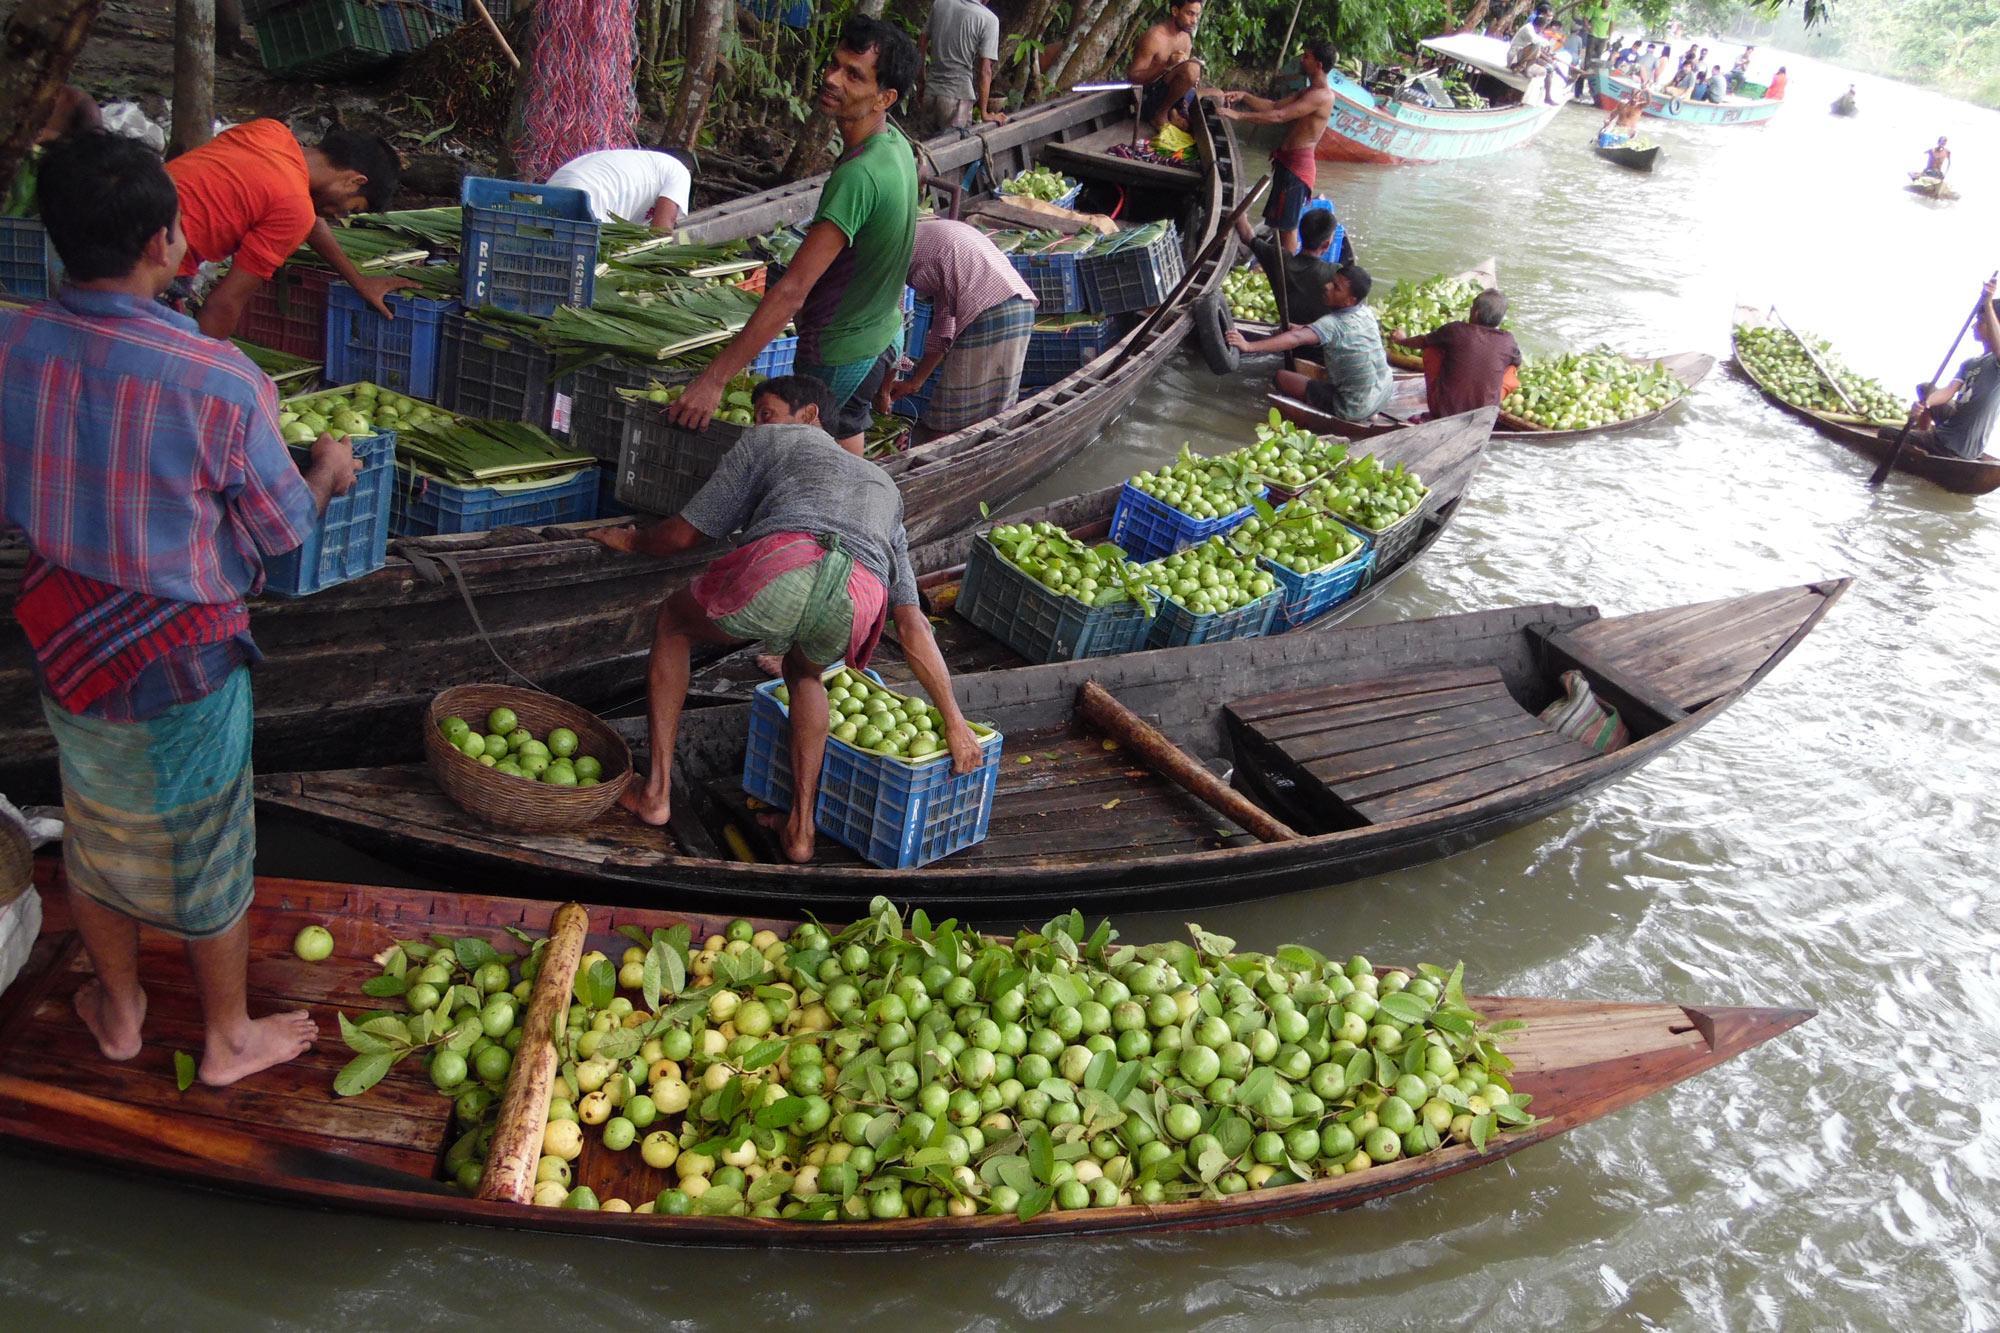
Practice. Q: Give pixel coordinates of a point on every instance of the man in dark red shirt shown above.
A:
(1468, 363)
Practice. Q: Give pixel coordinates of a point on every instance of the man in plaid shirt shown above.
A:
(142, 460)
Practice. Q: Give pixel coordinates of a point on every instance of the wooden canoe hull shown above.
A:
(349, 669)
(297, 1143)
(1960, 476)
(1399, 134)
(1633, 159)
(1613, 90)
(1692, 663)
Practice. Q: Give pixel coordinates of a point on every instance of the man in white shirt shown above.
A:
(632, 184)
(958, 48)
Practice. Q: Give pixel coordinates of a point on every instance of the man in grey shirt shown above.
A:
(958, 48)
(821, 563)
(1962, 417)
(1358, 381)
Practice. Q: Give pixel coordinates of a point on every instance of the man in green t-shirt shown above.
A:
(845, 285)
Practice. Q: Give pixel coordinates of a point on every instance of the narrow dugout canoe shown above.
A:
(348, 666)
(1629, 156)
(1386, 746)
(284, 1136)
(1961, 476)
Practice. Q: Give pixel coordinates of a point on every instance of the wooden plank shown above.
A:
(1397, 754)
(1626, 691)
(1411, 775)
(1258, 707)
(1308, 748)
(1464, 787)
(1378, 710)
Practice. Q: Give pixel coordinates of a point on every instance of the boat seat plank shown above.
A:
(1305, 749)
(1284, 703)
(1338, 718)
(1473, 783)
(1089, 155)
(1412, 775)
(1398, 754)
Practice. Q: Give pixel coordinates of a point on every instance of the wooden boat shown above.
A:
(1932, 187)
(350, 666)
(1845, 105)
(1386, 746)
(283, 1136)
(1962, 476)
(1366, 128)
(1612, 89)
(1635, 157)
(1446, 454)
(1691, 368)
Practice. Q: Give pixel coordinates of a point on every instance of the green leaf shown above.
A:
(416, 949)
(1234, 1133)
(1017, 1174)
(597, 985)
(358, 1039)
(1212, 1163)
(1404, 1007)
(1386, 1069)
(781, 1113)
(1041, 1149)
(926, 1158)
(363, 1072)
(183, 1070)
(1482, 1130)
(770, 1186)
(1125, 1081)
(1065, 989)
(763, 1054)
(1360, 1068)
(389, 1027)
(473, 953)
(620, 1044)
(384, 987)
(1033, 1205)
(396, 963)
(1299, 956)
(1098, 1074)
(1254, 1089)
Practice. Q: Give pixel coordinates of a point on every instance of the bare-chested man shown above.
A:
(1304, 115)
(1622, 124)
(1165, 68)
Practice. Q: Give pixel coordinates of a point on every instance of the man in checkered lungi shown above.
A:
(982, 315)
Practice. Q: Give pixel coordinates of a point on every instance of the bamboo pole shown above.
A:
(1121, 724)
(498, 36)
(509, 1176)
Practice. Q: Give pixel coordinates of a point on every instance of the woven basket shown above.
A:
(517, 803)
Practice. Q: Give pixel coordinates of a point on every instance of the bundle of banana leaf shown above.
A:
(1130, 238)
(434, 229)
(652, 324)
(294, 373)
(481, 453)
(372, 250)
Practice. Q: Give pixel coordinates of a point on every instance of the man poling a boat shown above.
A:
(142, 461)
(844, 286)
(1304, 116)
(1468, 363)
(1164, 68)
(1358, 381)
(1622, 125)
(821, 565)
(1937, 162)
(1308, 272)
(1961, 418)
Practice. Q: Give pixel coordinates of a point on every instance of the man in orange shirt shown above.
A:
(253, 195)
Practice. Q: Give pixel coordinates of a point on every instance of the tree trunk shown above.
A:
(1475, 18)
(1094, 50)
(1021, 75)
(698, 71)
(37, 48)
(229, 28)
(1084, 17)
(194, 75)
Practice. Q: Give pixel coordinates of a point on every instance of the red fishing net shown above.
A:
(579, 96)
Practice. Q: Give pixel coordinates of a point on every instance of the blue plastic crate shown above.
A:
(1174, 626)
(1305, 597)
(1146, 528)
(453, 11)
(779, 356)
(27, 261)
(895, 813)
(1056, 281)
(1039, 624)
(352, 536)
(526, 248)
(399, 354)
(425, 506)
(1056, 354)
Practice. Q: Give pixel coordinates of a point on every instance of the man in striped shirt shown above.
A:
(142, 461)
(1358, 381)
(982, 315)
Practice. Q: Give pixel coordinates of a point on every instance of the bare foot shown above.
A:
(267, 1041)
(797, 839)
(653, 807)
(116, 1029)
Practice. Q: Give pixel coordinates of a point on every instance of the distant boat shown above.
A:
(1933, 187)
(1368, 128)
(1845, 105)
(1613, 89)
(1637, 156)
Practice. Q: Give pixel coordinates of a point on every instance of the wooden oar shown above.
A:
(1121, 724)
(1903, 436)
(210, 1140)
(1818, 364)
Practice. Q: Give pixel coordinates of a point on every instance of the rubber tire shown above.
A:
(1212, 323)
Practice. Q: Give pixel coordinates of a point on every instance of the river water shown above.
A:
(1823, 844)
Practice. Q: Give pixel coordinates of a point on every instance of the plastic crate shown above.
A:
(1056, 354)
(1146, 528)
(1041, 625)
(323, 39)
(1393, 541)
(597, 410)
(1056, 281)
(425, 506)
(1135, 278)
(1305, 597)
(408, 25)
(352, 536)
(399, 354)
(1174, 626)
(487, 371)
(798, 14)
(27, 260)
(779, 356)
(895, 813)
(608, 505)
(527, 248)
(661, 466)
(453, 11)
(289, 312)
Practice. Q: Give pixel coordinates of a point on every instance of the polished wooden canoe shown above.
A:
(1409, 401)
(1446, 454)
(350, 666)
(284, 1136)
(1387, 746)
(1629, 156)
(1961, 476)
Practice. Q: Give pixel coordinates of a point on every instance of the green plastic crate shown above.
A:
(323, 39)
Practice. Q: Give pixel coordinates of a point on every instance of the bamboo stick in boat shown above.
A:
(509, 1176)
(1121, 724)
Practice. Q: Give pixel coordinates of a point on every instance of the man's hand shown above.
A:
(373, 290)
(885, 395)
(1236, 339)
(697, 405)
(624, 539)
(995, 117)
(1986, 289)
(965, 755)
(1398, 336)
(333, 462)
(901, 389)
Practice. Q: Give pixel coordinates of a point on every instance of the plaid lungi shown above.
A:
(981, 375)
(160, 825)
